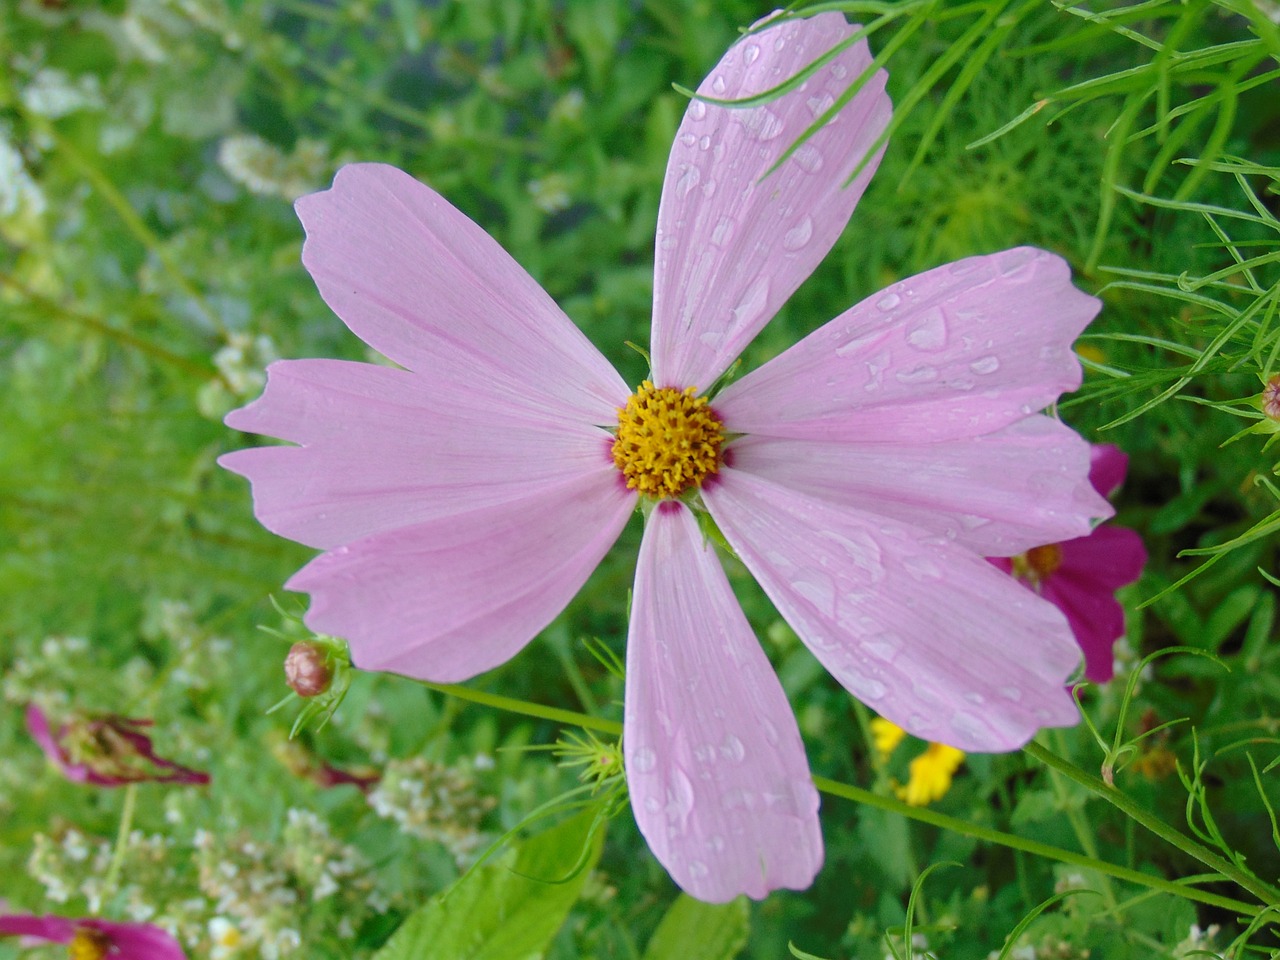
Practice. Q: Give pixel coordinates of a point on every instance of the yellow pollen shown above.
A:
(1037, 563)
(88, 944)
(668, 441)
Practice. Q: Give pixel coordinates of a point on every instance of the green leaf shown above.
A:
(507, 910)
(708, 931)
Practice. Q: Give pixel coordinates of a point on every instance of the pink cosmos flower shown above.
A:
(91, 939)
(106, 751)
(1080, 577)
(861, 476)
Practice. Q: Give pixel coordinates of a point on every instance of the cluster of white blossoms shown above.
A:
(240, 364)
(265, 169)
(55, 93)
(435, 802)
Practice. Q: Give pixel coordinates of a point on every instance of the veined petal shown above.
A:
(959, 351)
(418, 281)
(999, 494)
(927, 634)
(451, 597)
(719, 782)
(732, 243)
(384, 448)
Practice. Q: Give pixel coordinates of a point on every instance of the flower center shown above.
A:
(668, 441)
(1037, 563)
(88, 944)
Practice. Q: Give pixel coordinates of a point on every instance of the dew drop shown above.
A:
(1016, 262)
(643, 760)
(697, 868)
(717, 85)
(715, 842)
(985, 365)
(921, 568)
(751, 53)
(921, 373)
(808, 158)
(753, 301)
(652, 805)
(974, 697)
(762, 123)
(888, 301)
(883, 646)
(839, 71)
(820, 104)
(866, 688)
(688, 139)
(704, 143)
(799, 235)
(819, 591)
(689, 179)
(708, 189)
(928, 331)
(723, 231)
(732, 749)
(1011, 693)
(697, 109)
(962, 267)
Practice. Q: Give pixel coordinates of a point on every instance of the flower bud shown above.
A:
(306, 669)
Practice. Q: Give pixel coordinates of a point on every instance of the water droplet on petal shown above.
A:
(688, 139)
(921, 567)
(1015, 262)
(697, 868)
(799, 235)
(985, 365)
(820, 104)
(723, 231)
(883, 646)
(808, 158)
(866, 688)
(753, 300)
(750, 53)
(974, 697)
(921, 373)
(643, 760)
(928, 331)
(762, 123)
(732, 749)
(1011, 693)
(715, 842)
(688, 180)
(717, 85)
(888, 301)
(819, 591)
(839, 71)
(697, 109)
(704, 143)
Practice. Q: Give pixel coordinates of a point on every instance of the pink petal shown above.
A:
(419, 282)
(957, 352)
(53, 929)
(929, 635)
(385, 448)
(1108, 468)
(1109, 558)
(448, 598)
(731, 246)
(997, 494)
(137, 941)
(719, 782)
(1096, 619)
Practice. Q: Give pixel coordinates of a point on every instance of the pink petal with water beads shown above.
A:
(926, 633)
(998, 494)
(956, 352)
(384, 448)
(418, 281)
(450, 597)
(126, 941)
(1107, 468)
(719, 782)
(731, 246)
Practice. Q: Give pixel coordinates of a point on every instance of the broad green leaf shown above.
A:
(508, 910)
(708, 931)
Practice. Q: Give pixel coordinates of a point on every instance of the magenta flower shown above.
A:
(861, 476)
(106, 751)
(91, 939)
(1080, 577)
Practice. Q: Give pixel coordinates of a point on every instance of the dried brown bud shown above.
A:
(306, 669)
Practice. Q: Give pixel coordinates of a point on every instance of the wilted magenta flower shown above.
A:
(106, 751)
(1080, 577)
(861, 476)
(91, 939)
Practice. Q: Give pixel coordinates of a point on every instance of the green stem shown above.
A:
(122, 836)
(847, 792)
(1161, 829)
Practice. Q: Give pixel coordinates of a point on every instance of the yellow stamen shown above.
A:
(668, 441)
(886, 735)
(88, 944)
(931, 774)
(1037, 563)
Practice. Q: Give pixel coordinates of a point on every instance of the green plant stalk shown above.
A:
(122, 836)
(858, 795)
(1167, 833)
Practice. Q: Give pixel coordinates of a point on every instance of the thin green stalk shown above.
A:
(1161, 829)
(1079, 827)
(858, 795)
(122, 836)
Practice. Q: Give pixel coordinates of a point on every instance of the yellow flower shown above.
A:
(886, 735)
(931, 774)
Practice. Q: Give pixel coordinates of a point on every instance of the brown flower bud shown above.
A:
(306, 669)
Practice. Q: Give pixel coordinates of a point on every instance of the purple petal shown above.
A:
(53, 929)
(1109, 558)
(385, 448)
(42, 734)
(997, 494)
(1108, 468)
(419, 282)
(719, 782)
(731, 246)
(451, 597)
(927, 634)
(957, 352)
(137, 941)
